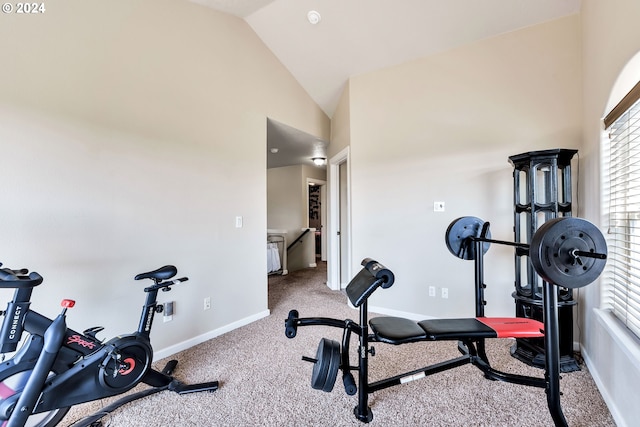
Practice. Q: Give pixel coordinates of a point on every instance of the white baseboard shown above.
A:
(171, 350)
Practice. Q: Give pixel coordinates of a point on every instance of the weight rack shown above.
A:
(542, 191)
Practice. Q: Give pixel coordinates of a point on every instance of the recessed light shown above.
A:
(313, 17)
(274, 150)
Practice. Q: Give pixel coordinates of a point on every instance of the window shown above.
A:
(621, 190)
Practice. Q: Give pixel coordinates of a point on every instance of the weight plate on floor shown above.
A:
(458, 233)
(569, 252)
(325, 369)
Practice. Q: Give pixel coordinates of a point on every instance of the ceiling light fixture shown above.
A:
(319, 161)
(274, 150)
(313, 17)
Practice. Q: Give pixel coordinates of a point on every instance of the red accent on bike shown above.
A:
(131, 364)
(6, 391)
(67, 303)
(77, 339)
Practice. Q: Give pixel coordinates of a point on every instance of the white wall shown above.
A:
(442, 129)
(284, 196)
(337, 271)
(132, 136)
(340, 124)
(611, 37)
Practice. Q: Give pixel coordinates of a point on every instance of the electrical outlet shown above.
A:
(168, 308)
(207, 303)
(445, 293)
(432, 291)
(167, 312)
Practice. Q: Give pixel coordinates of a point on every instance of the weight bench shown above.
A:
(470, 333)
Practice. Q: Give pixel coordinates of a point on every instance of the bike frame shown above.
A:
(64, 367)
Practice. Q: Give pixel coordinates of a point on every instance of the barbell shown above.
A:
(569, 252)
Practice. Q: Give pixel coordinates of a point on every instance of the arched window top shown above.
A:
(625, 91)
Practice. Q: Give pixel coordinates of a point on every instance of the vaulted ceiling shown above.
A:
(354, 37)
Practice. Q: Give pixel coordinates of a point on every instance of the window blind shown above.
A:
(622, 207)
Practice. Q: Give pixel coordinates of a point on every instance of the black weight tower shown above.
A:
(542, 191)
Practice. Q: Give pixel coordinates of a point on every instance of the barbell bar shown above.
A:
(569, 252)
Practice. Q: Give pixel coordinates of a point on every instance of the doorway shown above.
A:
(292, 162)
(317, 197)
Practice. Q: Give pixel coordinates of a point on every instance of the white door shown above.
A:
(339, 225)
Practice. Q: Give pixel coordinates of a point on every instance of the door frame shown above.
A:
(334, 261)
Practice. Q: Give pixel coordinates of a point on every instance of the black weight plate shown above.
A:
(334, 365)
(321, 366)
(325, 369)
(552, 252)
(458, 232)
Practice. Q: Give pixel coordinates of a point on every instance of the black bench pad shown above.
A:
(397, 330)
(455, 329)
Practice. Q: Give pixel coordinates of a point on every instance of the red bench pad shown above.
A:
(514, 327)
(397, 330)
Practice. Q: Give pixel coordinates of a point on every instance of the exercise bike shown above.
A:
(56, 367)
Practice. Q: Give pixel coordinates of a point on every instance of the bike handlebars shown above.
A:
(19, 278)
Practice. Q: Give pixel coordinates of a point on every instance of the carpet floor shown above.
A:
(264, 381)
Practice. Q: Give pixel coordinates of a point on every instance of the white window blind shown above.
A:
(622, 207)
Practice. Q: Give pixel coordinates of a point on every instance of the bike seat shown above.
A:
(162, 273)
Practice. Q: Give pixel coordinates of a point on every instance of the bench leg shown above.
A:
(552, 354)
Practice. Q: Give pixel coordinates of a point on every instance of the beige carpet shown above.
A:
(264, 382)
